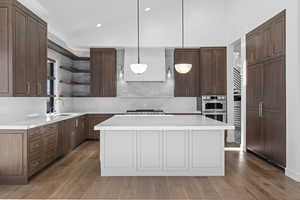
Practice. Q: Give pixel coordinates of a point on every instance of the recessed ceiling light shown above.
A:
(98, 25)
(147, 9)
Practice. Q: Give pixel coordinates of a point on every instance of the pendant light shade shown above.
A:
(183, 68)
(138, 68)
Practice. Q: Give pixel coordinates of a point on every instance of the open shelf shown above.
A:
(77, 96)
(74, 82)
(74, 70)
(51, 78)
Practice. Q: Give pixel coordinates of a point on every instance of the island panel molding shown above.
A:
(162, 146)
(156, 153)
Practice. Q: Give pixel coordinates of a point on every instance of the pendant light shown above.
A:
(138, 68)
(183, 68)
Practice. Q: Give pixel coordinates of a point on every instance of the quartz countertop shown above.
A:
(37, 121)
(162, 122)
(44, 120)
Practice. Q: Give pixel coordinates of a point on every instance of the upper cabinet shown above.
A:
(103, 72)
(267, 41)
(187, 85)
(23, 52)
(213, 71)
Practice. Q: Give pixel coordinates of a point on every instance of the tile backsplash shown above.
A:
(17, 109)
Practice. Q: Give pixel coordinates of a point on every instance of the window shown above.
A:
(50, 88)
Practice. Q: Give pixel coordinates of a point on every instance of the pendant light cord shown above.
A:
(182, 22)
(138, 29)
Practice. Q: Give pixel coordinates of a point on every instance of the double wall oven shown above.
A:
(214, 107)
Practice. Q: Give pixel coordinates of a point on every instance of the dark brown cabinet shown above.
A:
(266, 115)
(267, 41)
(93, 120)
(187, 85)
(25, 153)
(42, 143)
(213, 71)
(72, 133)
(103, 72)
(81, 134)
(23, 51)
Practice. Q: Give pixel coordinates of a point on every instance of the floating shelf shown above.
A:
(51, 78)
(74, 82)
(74, 70)
(51, 96)
(74, 96)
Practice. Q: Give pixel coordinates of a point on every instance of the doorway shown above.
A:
(235, 138)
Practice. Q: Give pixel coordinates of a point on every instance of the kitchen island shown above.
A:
(162, 145)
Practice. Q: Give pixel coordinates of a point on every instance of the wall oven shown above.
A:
(222, 117)
(214, 107)
(214, 104)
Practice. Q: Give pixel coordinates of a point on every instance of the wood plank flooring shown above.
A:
(77, 177)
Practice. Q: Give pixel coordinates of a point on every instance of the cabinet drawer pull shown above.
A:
(35, 163)
(28, 87)
(39, 88)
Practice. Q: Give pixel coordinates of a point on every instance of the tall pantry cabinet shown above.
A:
(266, 92)
(23, 51)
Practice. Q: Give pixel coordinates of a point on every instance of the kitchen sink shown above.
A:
(64, 115)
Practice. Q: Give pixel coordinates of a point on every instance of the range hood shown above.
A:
(155, 58)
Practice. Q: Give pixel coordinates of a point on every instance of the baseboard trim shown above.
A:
(293, 175)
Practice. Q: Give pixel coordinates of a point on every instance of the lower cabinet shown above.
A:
(72, 133)
(42, 150)
(25, 153)
(93, 120)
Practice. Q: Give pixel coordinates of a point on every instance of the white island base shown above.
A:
(149, 150)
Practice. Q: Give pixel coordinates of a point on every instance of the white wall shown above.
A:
(242, 17)
(17, 109)
(161, 27)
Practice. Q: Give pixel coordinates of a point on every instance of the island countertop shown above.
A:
(161, 122)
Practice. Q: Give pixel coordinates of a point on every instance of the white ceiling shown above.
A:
(74, 21)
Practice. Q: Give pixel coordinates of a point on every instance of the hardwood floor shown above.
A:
(77, 177)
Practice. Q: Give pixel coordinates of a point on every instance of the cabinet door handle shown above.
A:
(39, 88)
(260, 107)
(28, 87)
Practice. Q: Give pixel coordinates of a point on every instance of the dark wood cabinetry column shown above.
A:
(266, 92)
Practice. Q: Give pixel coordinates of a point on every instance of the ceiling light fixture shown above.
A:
(147, 9)
(138, 68)
(183, 68)
(98, 25)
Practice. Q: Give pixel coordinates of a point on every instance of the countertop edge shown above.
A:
(12, 126)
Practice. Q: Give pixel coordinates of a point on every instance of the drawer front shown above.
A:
(51, 129)
(35, 134)
(35, 165)
(36, 146)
